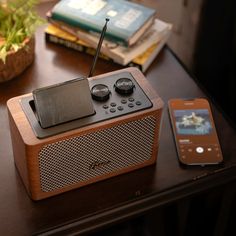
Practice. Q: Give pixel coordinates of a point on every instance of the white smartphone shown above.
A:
(194, 131)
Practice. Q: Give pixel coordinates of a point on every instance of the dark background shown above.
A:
(214, 64)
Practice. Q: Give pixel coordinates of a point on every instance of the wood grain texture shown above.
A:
(27, 146)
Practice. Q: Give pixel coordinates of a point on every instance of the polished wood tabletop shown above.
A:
(119, 198)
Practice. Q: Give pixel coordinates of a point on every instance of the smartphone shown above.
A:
(194, 131)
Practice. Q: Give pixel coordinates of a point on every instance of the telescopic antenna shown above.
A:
(98, 48)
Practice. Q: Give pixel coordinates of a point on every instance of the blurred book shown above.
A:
(120, 54)
(58, 36)
(128, 20)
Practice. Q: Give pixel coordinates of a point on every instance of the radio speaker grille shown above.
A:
(78, 159)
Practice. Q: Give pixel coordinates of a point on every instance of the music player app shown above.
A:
(194, 131)
(193, 122)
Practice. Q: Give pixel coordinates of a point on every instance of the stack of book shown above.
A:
(134, 35)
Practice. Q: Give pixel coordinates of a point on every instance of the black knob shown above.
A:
(100, 92)
(124, 86)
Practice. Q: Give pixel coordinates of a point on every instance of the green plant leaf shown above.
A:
(18, 21)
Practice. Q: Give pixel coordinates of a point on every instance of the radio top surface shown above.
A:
(112, 96)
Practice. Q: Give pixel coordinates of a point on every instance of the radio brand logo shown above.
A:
(98, 164)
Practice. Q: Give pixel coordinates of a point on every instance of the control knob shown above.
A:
(124, 86)
(100, 92)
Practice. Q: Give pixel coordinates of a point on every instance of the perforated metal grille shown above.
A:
(85, 157)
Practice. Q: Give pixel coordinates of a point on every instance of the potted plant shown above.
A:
(18, 22)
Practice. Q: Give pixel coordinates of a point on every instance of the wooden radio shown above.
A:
(116, 131)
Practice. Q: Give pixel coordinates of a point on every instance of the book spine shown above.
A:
(82, 48)
(57, 40)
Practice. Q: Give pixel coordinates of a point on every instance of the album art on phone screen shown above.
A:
(193, 122)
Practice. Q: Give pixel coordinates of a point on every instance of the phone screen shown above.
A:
(193, 122)
(195, 133)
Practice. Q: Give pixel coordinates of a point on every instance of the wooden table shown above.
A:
(119, 198)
